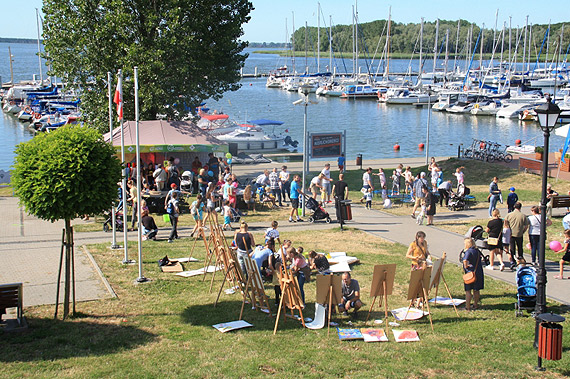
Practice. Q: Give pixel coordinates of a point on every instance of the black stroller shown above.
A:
(319, 213)
(108, 224)
(476, 232)
(457, 199)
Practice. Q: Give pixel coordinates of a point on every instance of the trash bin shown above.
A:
(346, 211)
(550, 341)
(359, 160)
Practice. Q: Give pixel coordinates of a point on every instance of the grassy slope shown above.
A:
(163, 328)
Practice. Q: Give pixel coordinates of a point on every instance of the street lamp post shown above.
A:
(547, 116)
(305, 90)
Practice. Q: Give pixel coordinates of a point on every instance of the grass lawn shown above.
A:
(6, 191)
(163, 328)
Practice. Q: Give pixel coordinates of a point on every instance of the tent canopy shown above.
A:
(161, 136)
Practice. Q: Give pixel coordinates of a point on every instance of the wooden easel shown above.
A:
(290, 294)
(436, 275)
(254, 284)
(329, 291)
(233, 273)
(382, 285)
(419, 285)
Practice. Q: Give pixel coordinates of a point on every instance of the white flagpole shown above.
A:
(141, 277)
(114, 239)
(126, 259)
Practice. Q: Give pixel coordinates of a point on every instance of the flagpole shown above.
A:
(141, 277)
(114, 237)
(119, 102)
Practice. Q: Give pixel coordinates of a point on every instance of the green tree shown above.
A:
(65, 174)
(186, 51)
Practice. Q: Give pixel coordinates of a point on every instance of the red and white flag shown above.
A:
(118, 99)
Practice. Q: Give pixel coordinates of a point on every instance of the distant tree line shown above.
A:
(280, 45)
(19, 40)
(404, 38)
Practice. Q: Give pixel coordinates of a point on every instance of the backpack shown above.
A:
(193, 210)
(170, 208)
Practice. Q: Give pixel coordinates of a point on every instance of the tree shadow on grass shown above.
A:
(227, 311)
(48, 339)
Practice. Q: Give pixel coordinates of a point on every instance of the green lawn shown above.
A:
(163, 328)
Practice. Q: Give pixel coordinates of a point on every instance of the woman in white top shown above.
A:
(534, 231)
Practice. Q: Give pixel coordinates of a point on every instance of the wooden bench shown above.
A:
(530, 164)
(561, 201)
(11, 297)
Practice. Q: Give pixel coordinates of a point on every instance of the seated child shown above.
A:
(319, 262)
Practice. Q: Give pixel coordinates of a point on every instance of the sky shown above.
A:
(272, 18)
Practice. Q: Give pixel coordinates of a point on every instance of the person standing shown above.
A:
(294, 196)
(341, 162)
(340, 192)
(408, 179)
(326, 182)
(459, 175)
(472, 263)
(160, 177)
(519, 224)
(275, 185)
(173, 211)
(418, 251)
(417, 192)
(244, 242)
(366, 182)
(431, 204)
(534, 231)
(494, 194)
(512, 199)
(213, 164)
(197, 212)
(133, 199)
(284, 176)
(495, 240)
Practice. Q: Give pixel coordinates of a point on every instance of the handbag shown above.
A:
(494, 241)
(469, 277)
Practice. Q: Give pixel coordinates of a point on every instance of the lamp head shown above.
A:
(305, 89)
(547, 114)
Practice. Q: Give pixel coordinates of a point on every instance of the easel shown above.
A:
(259, 298)
(290, 294)
(329, 291)
(436, 275)
(234, 273)
(419, 285)
(382, 285)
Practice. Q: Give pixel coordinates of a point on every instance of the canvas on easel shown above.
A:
(382, 285)
(419, 288)
(437, 276)
(254, 286)
(290, 294)
(329, 291)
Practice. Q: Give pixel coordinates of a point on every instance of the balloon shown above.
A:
(210, 174)
(555, 245)
(387, 204)
(528, 246)
(229, 160)
(176, 161)
(228, 155)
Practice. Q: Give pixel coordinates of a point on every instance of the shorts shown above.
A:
(227, 220)
(418, 201)
(197, 217)
(327, 186)
(295, 203)
(341, 167)
(566, 256)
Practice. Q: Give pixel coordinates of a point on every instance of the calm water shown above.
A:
(372, 129)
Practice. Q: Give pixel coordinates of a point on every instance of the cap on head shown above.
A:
(173, 185)
(422, 174)
(512, 189)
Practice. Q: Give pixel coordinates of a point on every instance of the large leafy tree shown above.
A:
(64, 174)
(186, 50)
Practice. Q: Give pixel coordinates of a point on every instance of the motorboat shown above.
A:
(360, 91)
(486, 108)
(216, 123)
(513, 110)
(252, 138)
(464, 104)
(445, 100)
(405, 96)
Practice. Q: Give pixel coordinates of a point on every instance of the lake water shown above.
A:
(372, 129)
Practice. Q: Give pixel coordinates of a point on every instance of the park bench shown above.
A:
(561, 201)
(11, 297)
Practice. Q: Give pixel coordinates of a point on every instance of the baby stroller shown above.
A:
(319, 213)
(457, 199)
(108, 224)
(186, 182)
(526, 289)
(476, 232)
(235, 216)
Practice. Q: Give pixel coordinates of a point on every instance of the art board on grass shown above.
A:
(403, 313)
(186, 259)
(407, 335)
(374, 335)
(349, 334)
(200, 271)
(233, 325)
(447, 301)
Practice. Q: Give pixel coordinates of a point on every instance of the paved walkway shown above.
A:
(30, 248)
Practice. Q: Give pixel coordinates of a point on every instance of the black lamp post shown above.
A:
(547, 117)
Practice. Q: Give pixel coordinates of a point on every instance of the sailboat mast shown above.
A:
(456, 45)
(510, 30)
(11, 68)
(39, 48)
(306, 37)
(529, 46)
(318, 37)
(547, 46)
(330, 43)
(387, 74)
(420, 70)
(293, 45)
(353, 45)
(524, 44)
(481, 54)
(446, 55)
(356, 35)
(435, 47)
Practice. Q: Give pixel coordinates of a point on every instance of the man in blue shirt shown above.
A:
(294, 196)
(341, 162)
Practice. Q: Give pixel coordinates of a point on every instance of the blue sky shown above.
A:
(268, 19)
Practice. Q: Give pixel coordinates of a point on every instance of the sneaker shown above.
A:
(413, 216)
(489, 267)
(170, 241)
(300, 220)
(502, 266)
(291, 220)
(345, 313)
